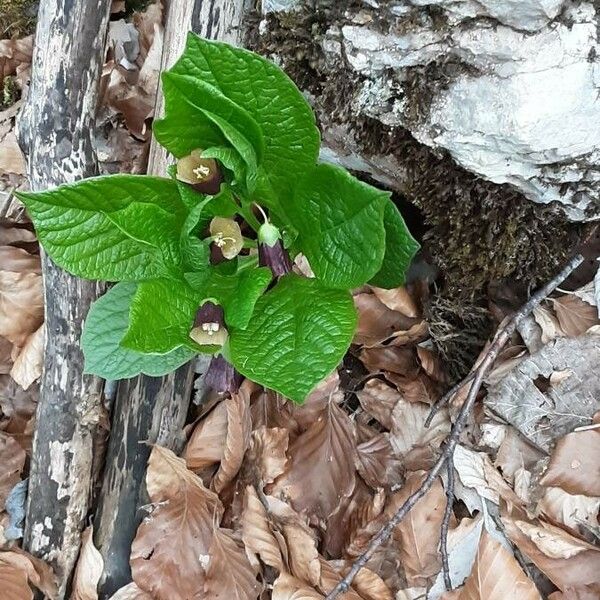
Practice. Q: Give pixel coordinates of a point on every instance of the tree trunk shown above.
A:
(151, 410)
(55, 131)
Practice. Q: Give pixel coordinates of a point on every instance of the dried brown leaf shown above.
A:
(206, 445)
(14, 582)
(11, 157)
(419, 532)
(399, 300)
(321, 471)
(88, 570)
(378, 399)
(574, 315)
(239, 428)
(376, 461)
(27, 366)
(229, 575)
(395, 359)
(317, 401)
(566, 560)
(256, 531)
(496, 575)
(267, 452)
(575, 463)
(301, 544)
(131, 592)
(431, 364)
(367, 584)
(548, 323)
(12, 461)
(36, 571)
(287, 587)
(376, 322)
(172, 545)
(330, 577)
(569, 509)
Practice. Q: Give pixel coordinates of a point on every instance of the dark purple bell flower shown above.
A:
(221, 376)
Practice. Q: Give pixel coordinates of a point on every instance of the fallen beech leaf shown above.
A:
(368, 585)
(131, 592)
(88, 570)
(569, 509)
(18, 410)
(270, 409)
(12, 460)
(27, 367)
(302, 553)
(321, 471)
(548, 323)
(206, 445)
(377, 464)
(574, 315)
(419, 532)
(415, 593)
(256, 531)
(229, 575)
(515, 453)
(575, 463)
(376, 322)
(463, 543)
(496, 575)
(395, 359)
(378, 399)
(409, 437)
(476, 471)
(583, 592)
(11, 157)
(5, 356)
(267, 452)
(15, 58)
(431, 364)
(14, 582)
(287, 587)
(172, 544)
(21, 303)
(399, 300)
(418, 389)
(330, 578)
(414, 334)
(566, 560)
(36, 571)
(239, 428)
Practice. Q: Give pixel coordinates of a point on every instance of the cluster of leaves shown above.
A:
(149, 233)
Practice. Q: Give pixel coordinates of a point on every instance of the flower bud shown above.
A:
(221, 376)
(209, 325)
(203, 174)
(227, 236)
(271, 252)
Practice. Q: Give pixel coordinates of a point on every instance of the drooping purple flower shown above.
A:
(271, 252)
(221, 375)
(209, 325)
(203, 174)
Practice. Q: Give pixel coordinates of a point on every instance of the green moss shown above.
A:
(17, 18)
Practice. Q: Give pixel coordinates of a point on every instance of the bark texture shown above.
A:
(55, 133)
(149, 410)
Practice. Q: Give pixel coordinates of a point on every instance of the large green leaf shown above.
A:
(400, 248)
(339, 220)
(104, 328)
(237, 293)
(161, 317)
(298, 334)
(260, 88)
(115, 228)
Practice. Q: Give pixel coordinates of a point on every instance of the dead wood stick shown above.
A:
(446, 522)
(502, 336)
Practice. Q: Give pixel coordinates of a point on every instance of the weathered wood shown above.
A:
(151, 410)
(55, 131)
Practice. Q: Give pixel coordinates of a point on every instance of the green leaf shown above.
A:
(201, 101)
(339, 220)
(105, 325)
(115, 228)
(298, 334)
(238, 293)
(161, 317)
(265, 92)
(400, 248)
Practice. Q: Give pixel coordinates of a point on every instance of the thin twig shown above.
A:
(447, 397)
(502, 336)
(446, 522)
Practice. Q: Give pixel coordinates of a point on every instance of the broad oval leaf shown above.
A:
(116, 228)
(260, 88)
(400, 248)
(104, 328)
(299, 333)
(339, 220)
